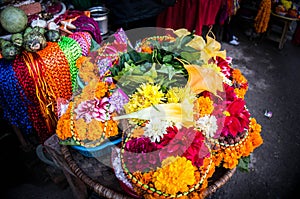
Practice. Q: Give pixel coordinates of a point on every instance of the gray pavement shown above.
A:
(273, 77)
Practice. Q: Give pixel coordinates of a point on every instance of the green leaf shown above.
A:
(243, 164)
(69, 142)
(152, 72)
(168, 70)
(190, 57)
(167, 58)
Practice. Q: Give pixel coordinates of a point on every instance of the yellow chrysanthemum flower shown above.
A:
(146, 95)
(178, 95)
(176, 174)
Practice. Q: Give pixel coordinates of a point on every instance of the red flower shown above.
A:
(238, 119)
(224, 65)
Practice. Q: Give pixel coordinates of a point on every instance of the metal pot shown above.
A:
(100, 15)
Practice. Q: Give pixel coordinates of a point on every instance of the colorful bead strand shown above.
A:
(12, 98)
(57, 71)
(27, 82)
(84, 39)
(72, 51)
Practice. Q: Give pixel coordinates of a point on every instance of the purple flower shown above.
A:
(117, 100)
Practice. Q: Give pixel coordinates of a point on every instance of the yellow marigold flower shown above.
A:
(204, 106)
(240, 92)
(174, 176)
(95, 130)
(101, 89)
(81, 129)
(238, 76)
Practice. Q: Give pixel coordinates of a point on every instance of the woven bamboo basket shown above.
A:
(220, 177)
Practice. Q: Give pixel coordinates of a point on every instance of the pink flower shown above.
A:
(140, 155)
(93, 109)
(101, 109)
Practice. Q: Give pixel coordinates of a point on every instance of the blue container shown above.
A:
(98, 151)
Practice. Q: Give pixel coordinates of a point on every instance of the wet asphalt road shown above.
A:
(274, 85)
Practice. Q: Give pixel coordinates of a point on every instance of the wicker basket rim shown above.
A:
(111, 194)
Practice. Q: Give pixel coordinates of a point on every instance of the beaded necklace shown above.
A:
(84, 39)
(28, 84)
(72, 51)
(12, 98)
(56, 70)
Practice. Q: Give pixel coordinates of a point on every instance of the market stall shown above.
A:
(143, 105)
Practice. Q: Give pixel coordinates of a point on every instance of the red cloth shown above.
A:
(190, 14)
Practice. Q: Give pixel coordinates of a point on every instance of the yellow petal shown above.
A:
(203, 79)
(175, 112)
(197, 43)
(212, 49)
(181, 32)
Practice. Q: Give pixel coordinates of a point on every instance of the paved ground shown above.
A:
(274, 174)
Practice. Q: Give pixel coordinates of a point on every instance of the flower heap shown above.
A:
(186, 114)
(86, 120)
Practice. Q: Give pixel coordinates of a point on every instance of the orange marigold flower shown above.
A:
(256, 140)
(204, 106)
(248, 147)
(218, 157)
(254, 126)
(230, 158)
(63, 130)
(240, 92)
(238, 76)
(146, 49)
(80, 60)
(101, 89)
(111, 128)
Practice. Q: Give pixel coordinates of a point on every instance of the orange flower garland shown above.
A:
(241, 83)
(262, 18)
(229, 155)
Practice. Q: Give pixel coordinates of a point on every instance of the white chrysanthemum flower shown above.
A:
(208, 124)
(156, 129)
(226, 80)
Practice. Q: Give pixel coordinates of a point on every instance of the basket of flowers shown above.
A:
(176, 104)
(186, 115)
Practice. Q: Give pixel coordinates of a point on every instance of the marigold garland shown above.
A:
(229, 156)
(262, 18)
